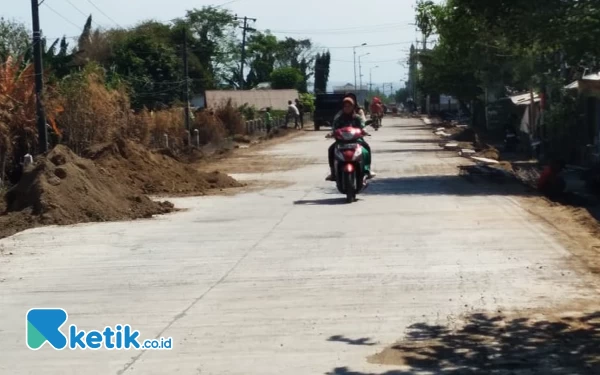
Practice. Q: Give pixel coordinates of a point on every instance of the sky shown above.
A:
(387, 26)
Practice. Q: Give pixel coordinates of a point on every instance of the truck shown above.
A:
(326, 107)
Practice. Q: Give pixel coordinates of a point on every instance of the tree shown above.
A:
(286, 78)
(322, 66)
(149, 62)
(212, 43)
(402, 95)
(297, 54)
(14, 39)
(261, 51)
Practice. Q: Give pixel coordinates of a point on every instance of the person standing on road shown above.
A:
(268, 119)
(292, 113)
(300, 107)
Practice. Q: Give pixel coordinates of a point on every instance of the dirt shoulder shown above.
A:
(575, 222)
(248, 159)
(112, 181)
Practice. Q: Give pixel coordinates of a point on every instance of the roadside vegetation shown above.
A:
(114, 101)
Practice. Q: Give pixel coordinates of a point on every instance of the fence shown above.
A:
(253, 127)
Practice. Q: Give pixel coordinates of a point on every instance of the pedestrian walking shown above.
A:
(300, 107)
(292, 113)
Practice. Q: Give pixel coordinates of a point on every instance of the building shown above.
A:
(361, 93)
(262, 98)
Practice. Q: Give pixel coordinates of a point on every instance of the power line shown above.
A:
(104, 14)
(63, 17)
(339, 32)
(368, 45)
(365, 27)
(77, 9)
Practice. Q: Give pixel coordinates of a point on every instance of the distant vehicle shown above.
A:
(326, 107)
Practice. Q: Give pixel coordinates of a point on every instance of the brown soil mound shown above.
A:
(63, 188)
(489, 153)
(155, 172)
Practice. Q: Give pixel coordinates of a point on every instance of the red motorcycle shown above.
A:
(349, 165)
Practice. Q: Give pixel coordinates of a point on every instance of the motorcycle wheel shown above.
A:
(350, 189)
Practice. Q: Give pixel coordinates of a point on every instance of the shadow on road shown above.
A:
(321, 202)
(494, 344)
(408, 150)
(365, 341)
(416, 140)
(441, 185)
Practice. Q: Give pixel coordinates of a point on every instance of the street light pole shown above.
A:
(371, 78)
(354, 49)
(360, 69)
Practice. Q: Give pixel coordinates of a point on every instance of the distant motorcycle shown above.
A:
(376, 121)
(348, 162)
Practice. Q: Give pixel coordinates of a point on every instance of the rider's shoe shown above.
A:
(330, 178)
(371, 175)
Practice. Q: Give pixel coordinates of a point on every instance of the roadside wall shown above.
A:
(276, 99)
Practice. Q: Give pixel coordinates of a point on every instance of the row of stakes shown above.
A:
(252, 127)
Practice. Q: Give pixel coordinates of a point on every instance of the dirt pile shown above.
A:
(155, 172)
(63, 188)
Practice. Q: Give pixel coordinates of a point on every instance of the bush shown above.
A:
(210, 128)
(92, 113)
(249, 112)
(286, 78)
(231, 118)
(308, 100)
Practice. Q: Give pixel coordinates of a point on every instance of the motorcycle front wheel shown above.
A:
(349, 182)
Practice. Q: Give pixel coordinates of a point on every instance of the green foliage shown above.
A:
(402, 95)
(150, 65)
(262, 51)
(322, 67)
(249, 112)
(14, 39)
(308, 100)
(286, 78)
(499, 43)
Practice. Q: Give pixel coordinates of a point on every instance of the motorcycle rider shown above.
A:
(376, 108)
(350, 117)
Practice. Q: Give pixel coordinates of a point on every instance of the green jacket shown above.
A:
(342, 120)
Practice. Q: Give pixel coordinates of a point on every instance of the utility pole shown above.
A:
(245, 29)
(354, 49)
(187, 80)
(360, 75)
(39, 78)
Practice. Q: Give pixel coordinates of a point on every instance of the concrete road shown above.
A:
(288, 280)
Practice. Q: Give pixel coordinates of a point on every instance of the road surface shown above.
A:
(289, 280)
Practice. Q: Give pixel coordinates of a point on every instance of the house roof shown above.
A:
(524, 99)
(589, 77)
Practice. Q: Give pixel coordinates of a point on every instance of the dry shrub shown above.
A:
(92, 112)
(18, 134)
(231, 118)
(170, 122)
(210, 128)
(139, 125)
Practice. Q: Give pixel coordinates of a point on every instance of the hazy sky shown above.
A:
(329, 23)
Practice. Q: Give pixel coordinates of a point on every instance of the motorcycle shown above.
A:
(376, 121)
(349, 169)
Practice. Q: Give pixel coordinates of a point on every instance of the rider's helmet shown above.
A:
(351, 96)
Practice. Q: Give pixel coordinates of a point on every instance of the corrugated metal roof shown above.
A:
(524, 99)
(589, 77)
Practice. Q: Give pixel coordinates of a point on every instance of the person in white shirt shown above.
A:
(293, 112)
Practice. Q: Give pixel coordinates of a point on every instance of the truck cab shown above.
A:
(326, 107)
